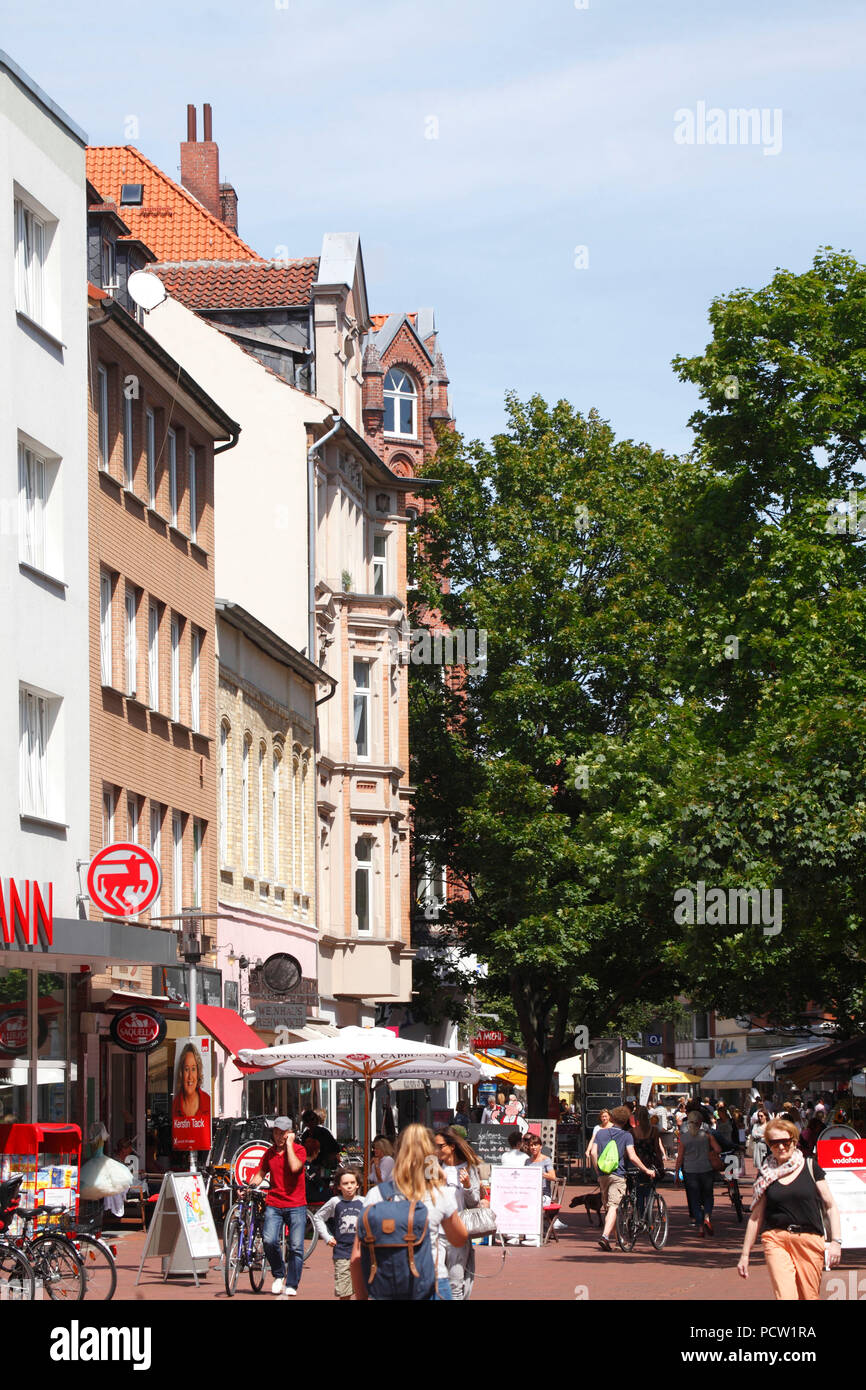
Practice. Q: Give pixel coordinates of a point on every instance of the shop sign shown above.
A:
(272, 1014)
(844, 1163)
(23, 906)
(137, 1029)
(841, 1153)
(246, 1161)
(487, 1037)
(281, 974)
(123, 879)
(13, 1033)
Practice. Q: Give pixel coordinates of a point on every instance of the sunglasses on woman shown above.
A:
(780, 1143)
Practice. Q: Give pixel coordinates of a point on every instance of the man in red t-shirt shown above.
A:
(286, 1205)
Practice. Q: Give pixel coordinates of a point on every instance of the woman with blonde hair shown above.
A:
(787, 1202)
(383, 1158)
(418, 1177)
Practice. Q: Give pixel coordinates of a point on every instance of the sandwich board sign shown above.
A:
(183, 1230)
(515, 1196)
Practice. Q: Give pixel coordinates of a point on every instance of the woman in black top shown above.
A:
(787, 1204)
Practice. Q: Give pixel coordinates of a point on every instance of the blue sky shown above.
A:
(555, 130)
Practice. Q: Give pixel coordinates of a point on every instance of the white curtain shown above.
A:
(31, 749)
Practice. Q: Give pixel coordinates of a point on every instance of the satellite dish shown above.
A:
(145, 289)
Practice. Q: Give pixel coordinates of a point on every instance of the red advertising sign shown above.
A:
(25, 907)
(841, 1153)
(247, 1160)
(13, 1033)
(123, 880)
(191, 1107)
(137, 1029)
(488, 1037)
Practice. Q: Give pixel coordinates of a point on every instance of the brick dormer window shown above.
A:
(401, 403)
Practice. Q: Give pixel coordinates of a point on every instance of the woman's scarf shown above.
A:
(772, 1170)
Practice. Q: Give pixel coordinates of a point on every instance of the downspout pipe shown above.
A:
(311, 535)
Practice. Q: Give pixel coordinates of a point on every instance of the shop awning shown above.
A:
(754, 1066)
(508, 1068)
(230, 1032)
(837, 1058)
(311, 1031)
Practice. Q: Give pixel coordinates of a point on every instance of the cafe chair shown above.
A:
(551, 1212)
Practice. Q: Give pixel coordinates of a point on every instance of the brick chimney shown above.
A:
(200, 163)
(229, 206)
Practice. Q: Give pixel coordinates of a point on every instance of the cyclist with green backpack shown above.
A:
(609, 1151)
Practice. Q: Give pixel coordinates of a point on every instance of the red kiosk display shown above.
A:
(49, 1156)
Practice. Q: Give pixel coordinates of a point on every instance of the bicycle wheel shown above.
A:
(232, 1253)
(311, 1236)
(55, 1261)
(736, 1199)
(100, 1270)
(17, 1280)
(626, 1223)
(257, 1262)
(658, 1221)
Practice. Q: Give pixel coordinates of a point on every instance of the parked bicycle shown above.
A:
(17, 1278)
(96, 1255)
(631, 1221)
(53, 1256)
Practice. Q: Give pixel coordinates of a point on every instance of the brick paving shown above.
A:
(689, 1269)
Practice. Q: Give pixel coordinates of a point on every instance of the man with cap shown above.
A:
(286, 1205)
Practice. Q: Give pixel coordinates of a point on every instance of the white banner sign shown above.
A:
(515, 1196)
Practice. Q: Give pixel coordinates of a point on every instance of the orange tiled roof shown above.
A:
(239, 284)
(379, 320)
(170, 220)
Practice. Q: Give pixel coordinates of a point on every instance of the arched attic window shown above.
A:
(401, 403)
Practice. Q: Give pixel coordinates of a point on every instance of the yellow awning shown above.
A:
(508, 1068)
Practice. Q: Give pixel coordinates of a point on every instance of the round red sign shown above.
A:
(357, 1057)
(123, 880)
(247, 1160)
(138, 1029)
(13, 1033)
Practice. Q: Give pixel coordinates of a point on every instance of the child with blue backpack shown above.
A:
(343, 1212)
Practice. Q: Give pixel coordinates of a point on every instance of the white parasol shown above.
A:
(368, 1055)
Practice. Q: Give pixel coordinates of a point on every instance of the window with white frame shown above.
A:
(197, 855)
(150, 453)
(172, 476)
(193, 494)
(363, 886)
(156, 814)
(261, 815)
(275, 809)
(195, 680)
(361, 708)
(400, 403)
(380, 564)
(131, 643)
(432, 891)
(102, 417)
(245, 800)
(411, 556)
(177, 859)
(31, 507)
(153, 654)
(303, 823)
(128, 444)
(296, 796)
(34, 725)
(109, 806)
(224, 792)
(109, 265)
(30, 252)
(133, 818)
(175, 668)
(105, 664)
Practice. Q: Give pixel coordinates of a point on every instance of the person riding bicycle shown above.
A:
(648, 1147)
(286, 1205)
(613, 1181)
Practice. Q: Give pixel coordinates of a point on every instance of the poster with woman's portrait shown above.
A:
(191, 1107)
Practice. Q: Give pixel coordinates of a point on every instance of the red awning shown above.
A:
(41, 1138)
(230, 1032)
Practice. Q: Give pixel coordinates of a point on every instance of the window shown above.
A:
(156, 831)
(172, 476)
(128, 444)
(31, 507)
(177, 859)
(275, 809)
(197, 843)
(363, 885)
(411, 523)
(105, 627)
(245, 801)
(175, 668)
(131, 643)
(102, 417)
(131, 194)
(109, 265)
(33, 729)
(362, 708)
(296, 783)
(150, 451)
(109, 802)
(400, 398)
(133, 818)
(224, 793)
(195, 680)
(153, 654)
(261, 812)
(193, 495)
(380, 564)
(30, 247)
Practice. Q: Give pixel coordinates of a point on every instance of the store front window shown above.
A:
(38, 1017)
(52, 1064)
(14, 1044)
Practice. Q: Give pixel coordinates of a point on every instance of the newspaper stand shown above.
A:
(49, 1156)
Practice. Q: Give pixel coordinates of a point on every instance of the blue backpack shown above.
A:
(396, 1249)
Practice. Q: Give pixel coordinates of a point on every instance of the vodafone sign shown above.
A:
(247, 1160)
(123, 880)
(841, 1153)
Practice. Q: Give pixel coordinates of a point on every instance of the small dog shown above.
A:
(592, 1202)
